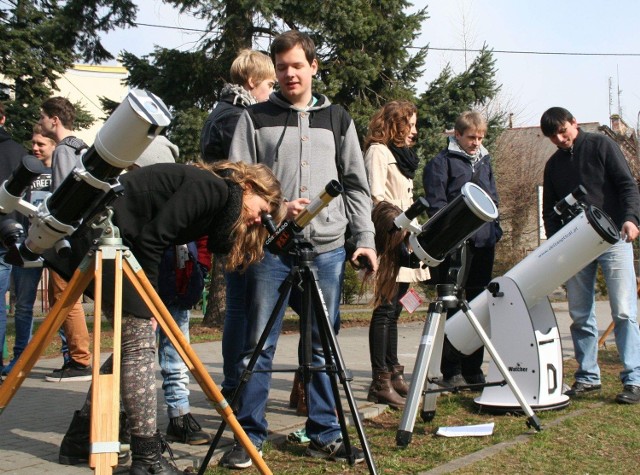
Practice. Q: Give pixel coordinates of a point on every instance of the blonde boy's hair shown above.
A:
(251, 64)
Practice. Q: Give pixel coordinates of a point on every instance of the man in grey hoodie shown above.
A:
(293, 134)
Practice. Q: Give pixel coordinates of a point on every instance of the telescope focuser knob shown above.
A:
(494, 288)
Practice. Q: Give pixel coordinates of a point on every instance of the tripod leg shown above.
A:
(429, 400)
(146, 291)
(42, 337)
(433, 330)
(603, 338)
(105, 395)
(333, 356)
(244, 379)
(533, 420)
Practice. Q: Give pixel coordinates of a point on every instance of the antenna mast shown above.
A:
(610, 99)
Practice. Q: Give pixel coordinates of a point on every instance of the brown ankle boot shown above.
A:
(295, 389)
(381, 391)
(298, 398)
(398, 382)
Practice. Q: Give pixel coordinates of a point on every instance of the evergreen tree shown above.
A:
(362, 48)
(41, 40)
(447, 97)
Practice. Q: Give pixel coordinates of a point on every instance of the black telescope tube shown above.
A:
(75, 199)
(445, 230)
(23, 175)
(454, 223)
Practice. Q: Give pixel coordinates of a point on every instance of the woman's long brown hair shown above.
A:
(248, 241)
(389, 241)
(390, 124)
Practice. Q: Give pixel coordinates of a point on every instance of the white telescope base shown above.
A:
(529, 343)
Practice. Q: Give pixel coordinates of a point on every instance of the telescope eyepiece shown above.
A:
(267, 222)
(334, 188)
(11, 232)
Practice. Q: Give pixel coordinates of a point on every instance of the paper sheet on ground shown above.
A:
(466, 431)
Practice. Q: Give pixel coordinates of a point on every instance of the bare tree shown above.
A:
(518, 174)
(214, 315)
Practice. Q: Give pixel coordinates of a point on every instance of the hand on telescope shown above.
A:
(294, 207)
(629, 231)
(367, 254)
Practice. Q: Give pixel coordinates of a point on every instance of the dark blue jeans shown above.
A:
(5, 279)
(25, 282)
(263, 281)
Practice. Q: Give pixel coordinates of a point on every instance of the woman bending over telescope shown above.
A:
(169, 204)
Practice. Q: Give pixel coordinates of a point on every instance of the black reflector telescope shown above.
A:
(454, 223)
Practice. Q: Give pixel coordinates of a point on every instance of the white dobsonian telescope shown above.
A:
(516, 312)
(513, 318)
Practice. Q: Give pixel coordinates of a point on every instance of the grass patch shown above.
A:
(591, 435)
(199, 333)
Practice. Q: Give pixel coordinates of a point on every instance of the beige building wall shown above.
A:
(85, 83)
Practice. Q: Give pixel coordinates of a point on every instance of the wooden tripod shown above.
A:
(106, 387)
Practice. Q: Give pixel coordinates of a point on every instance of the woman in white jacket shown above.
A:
(391, 165)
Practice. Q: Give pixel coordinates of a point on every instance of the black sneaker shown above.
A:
(629, 395)
(579, 389)
(70, 371)
(237, 457)
(185, 429)
(334, 451)
(453, 381)
(475, 378)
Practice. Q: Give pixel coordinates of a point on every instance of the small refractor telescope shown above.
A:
(281, 239)
(129, 130)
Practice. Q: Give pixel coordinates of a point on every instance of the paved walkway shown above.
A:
(33, 424)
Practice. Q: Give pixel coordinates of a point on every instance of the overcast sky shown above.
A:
(604, 37)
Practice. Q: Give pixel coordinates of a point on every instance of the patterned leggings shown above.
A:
(137, 375)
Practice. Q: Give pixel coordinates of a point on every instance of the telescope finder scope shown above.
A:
(281, 239)
(333, 189)
(570, 201)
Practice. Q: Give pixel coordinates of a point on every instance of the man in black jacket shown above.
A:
(597, 163)
(11, 152)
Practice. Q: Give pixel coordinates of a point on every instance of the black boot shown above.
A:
(185, 429)
(75, 446)
(147, 457)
